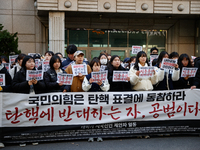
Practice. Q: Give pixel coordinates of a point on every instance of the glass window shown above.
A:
(120, 53)
(137, 38)
(118, 39)
(156, 38)
(98, 38)
(96, 53)
(78, 37)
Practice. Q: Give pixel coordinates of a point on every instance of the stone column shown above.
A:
(57, 32)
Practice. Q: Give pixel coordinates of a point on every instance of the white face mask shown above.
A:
(103, 61)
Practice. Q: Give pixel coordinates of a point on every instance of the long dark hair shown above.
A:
(160, 57)
(26, 58)
(110, 66)
(140, 54)
(94, 60)
(53, 60)
(181, 57)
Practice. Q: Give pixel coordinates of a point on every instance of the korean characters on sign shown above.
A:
(37, 63)
(152, 57)
(146, 71)
(64, 78)
(120, 76)
(34, 74)
(2, 80)
(81, 68)
(7, 66)
(136, 49)
(191, 72)
(102, 75)
(45, 66)
(12, 58)
(168, 63)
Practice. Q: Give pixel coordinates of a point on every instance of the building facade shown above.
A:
(103, 25)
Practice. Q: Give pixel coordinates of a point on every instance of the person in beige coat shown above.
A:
(77, 80)
(143, 83)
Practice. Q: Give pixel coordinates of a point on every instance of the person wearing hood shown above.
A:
(142, 83)
(18, 66)
(115, 65)
(21, 85)
(8, 79)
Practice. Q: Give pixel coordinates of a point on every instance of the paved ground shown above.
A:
(154, 143)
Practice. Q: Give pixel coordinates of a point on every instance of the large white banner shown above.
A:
(97, 108)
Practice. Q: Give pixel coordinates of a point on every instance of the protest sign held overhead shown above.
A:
(136, 49)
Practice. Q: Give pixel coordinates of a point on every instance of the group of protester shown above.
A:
(162, 79)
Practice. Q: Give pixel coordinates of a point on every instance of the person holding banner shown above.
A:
(79, 77)
(138, 82)
(115, 65)
(21, 85)
(169, 76)
(15, 69)
(88, 82)
(5, 81)
(50, 76)
(183, 82)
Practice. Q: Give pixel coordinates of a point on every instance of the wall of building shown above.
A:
(181, 37)
(20, 16)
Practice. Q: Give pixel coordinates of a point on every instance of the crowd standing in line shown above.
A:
(162, 79)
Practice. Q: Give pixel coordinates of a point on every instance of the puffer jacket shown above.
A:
(144, 83)
(50, 79)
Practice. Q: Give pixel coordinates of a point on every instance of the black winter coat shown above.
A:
(20, 85)
(196, 80)
(117, 86)
(50, 79)
(8, 82)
